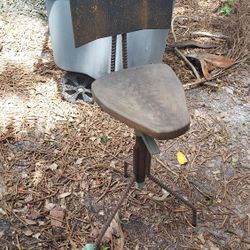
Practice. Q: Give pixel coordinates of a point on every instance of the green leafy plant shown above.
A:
(105, 248)
(210, 202)
(234, 162)
(227, 7)
(104, 138)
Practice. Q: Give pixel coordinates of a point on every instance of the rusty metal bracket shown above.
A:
(150, 143)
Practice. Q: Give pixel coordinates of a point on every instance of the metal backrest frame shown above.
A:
(94, 19)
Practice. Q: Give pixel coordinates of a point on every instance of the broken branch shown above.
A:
(207, 34)
(180, 54)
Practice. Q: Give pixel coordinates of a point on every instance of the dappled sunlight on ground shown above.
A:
(41, 106)
(22, 45)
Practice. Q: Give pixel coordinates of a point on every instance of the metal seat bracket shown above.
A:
(150, 143)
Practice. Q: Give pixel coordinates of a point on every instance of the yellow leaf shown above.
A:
(181, 158)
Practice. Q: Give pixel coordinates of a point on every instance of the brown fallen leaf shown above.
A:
(115, 230)
(212, 246)
(53, 166)
(79, 161)
(163, 197)
(37, 235)
(28, 198)
(30, 222)
(49, 206)
(208, 62)
(1, 234)
(64, 195)
(2, 211)
(56, 216)
(204, 68)
(33, 214)
(218, 61)
(28, 233)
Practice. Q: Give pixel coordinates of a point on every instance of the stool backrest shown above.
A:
(94, 19)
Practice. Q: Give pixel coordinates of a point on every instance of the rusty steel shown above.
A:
(112, 216)
(125, 51)
(141, 170)
(113, 53)
(141, 160)
(93, 19)
(177, 196)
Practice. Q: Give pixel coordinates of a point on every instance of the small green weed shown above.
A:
(104, 138)
(105, 248)
(210, 202)
(234, 161)
(227, 7)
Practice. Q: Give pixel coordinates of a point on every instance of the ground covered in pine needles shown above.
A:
(61, 165)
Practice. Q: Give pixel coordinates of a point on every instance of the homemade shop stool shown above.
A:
(150, 99)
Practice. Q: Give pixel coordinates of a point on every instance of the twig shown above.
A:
(207, 196)
(207, 34)
(180, 54)
(165, 166)
(191, 44)
(44, 198)
(204, 81)
(243, 239)
(18, 243)
(115, 157)
(106, 190)
(23, 222)
(172, 25)
(191, 66)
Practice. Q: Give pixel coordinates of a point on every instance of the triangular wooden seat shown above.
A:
(148, 98)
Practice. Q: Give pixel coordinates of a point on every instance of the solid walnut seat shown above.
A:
(148, 98)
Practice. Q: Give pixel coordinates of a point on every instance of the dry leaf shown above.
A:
(1, 234)
(73, 246)
(49, 206)
(208, 62)
(116, 230)
(53, 167)
(218, 61)
(64, 195)
(37, 235)
(33, 214)
(56, 216)
(201, 238)
(204, 68)
(30, 222)
(212, 246)
(2, 211)
(37, 177)
(41, 223)
(28, 232)
(163, 197)
(79, 161)
(113, 163)
(137, 247)
(181, 158)
(28, 198)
